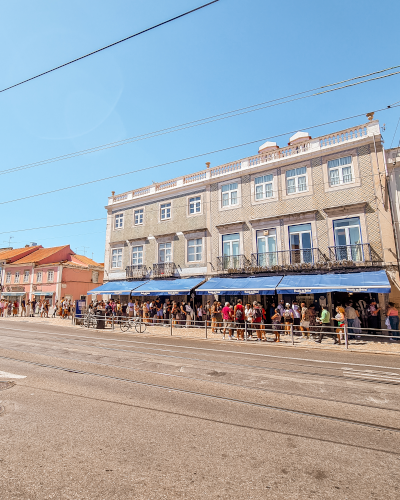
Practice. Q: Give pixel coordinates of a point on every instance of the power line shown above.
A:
(108, 46)
(202, 121)
(183, 159)
(203, 154)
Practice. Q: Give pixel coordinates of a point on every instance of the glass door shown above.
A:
(266, 248)
(230, 251)
(300, 244)
(348, 244)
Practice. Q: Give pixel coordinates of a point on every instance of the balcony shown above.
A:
(289, 260)
(136, 272)
(352, 255)
(164, 270)
(233, 263)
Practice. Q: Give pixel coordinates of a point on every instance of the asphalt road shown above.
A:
(101, 415)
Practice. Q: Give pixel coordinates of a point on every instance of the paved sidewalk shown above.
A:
(360, 345)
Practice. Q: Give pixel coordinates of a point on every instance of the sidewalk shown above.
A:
(374, 346)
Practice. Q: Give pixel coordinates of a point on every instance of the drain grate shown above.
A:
(6, 385)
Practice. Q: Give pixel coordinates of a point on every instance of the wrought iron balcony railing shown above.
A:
(307, 258)
(232, 263)
(136, 272)
(354, 253)
(164, 269)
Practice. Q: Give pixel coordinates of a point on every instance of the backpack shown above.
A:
(239, 314)
(257, 313)
(286, 314)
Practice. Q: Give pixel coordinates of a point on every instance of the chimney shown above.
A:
(26, 246)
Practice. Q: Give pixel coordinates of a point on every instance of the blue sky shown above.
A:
(232, 54)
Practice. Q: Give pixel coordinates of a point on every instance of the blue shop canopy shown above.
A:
(240, 286)
(161, 288)
(374, 282)
(116, 288)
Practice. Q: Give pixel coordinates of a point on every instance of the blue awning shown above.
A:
(116, 288)
(240, 286)
(374, 282)
(161, 288)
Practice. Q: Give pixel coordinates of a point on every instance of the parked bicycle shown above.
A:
(132, 323)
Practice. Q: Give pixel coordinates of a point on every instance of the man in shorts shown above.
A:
(238, 314)
(227, 317)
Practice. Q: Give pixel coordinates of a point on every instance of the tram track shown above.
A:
(355, 377)
(215, 382)
(210, 396)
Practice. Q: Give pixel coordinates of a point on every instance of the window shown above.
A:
(8, 278)
(266, 248)
(16, 277)
(229, 194)
(230, 250)
(95, 277)
(50, 276)
(340, 171)
(137, 255)
(164, 252)
(300, 243)
(195, 250)
(165, 211)
(194, 205)
(116, 260)
(296, 180)
(138, 216)
(348, 244)
(263, 186)
(26, 277)
(119, 221)
(39, 277)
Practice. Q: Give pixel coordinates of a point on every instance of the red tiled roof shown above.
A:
(86, 261)
(39, 255)
(9, 254)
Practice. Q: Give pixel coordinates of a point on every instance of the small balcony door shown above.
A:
(266, 248)
(348, 244)
(300, 242)
(164, 252)
(230, 250)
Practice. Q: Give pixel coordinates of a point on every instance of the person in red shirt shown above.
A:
(256, 321)
(227, 317)
(239, 319)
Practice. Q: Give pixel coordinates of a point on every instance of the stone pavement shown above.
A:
(360, 345)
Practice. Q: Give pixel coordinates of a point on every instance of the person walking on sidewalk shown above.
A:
(393, 315)
(324, 321)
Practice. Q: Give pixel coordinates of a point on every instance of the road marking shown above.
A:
(10, 375)
(241, 353)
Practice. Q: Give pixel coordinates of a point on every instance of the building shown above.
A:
(393, 173)
(314, 207)
(50, 273)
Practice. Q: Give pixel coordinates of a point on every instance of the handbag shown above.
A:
(305, 324)
(387, 323)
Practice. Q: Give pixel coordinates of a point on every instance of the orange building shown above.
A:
(51, 273)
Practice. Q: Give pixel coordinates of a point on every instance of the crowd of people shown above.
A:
(42, 307)
(257, 320)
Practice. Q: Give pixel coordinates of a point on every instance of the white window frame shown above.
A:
(164, 247)
(344, 163)
(119, 220)
(139, 212)
(16, 276)
(118, 252)
(26, 277)
(296, 187)
(8, 278)
(228, 199)
(165, 210)
(266, 183)
(39, 277)
(196, 243)
(194, 203)
(95, 277)
(50, 276)
(137, 255)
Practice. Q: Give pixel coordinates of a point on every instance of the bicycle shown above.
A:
(130, 323)
(89, 320)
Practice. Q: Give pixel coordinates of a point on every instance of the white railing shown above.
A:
(225, 169)
(198, 176)
(345, 136)
(140, 192)
(348, 135)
